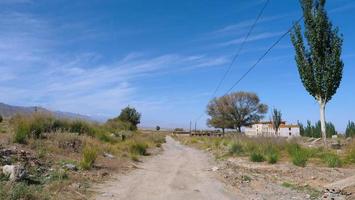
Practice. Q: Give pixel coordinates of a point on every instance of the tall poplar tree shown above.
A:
(276, 120)
(319, 60)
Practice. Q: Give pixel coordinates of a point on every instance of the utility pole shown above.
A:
(190, 125)
(195, 126)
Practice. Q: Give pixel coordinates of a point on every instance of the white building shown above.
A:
(266, 129)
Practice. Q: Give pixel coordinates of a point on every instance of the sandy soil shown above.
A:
(179, 173)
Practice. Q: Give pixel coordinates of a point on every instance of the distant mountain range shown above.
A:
(9, 111)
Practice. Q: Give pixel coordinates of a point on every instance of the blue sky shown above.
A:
(163, 57)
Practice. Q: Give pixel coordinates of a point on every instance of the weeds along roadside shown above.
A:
(68, 152)
(273, 150)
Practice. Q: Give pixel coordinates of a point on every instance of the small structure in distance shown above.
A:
(266, 129)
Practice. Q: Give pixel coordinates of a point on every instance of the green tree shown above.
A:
(235, 110)
(308, 131)
(350, 129)
(302, 131)
(276, 120)
(217, 110)
(319, 61)
(315, 130)
(130, 115)
(157, 128)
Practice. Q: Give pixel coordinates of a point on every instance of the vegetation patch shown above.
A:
(89, 157)
(314, 194)
(331, 160)
(235, 148)
(257, 157)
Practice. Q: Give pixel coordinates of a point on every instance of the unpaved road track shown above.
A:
(179, 173)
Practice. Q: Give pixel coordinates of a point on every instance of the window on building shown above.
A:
(289, 128)
(289, 133)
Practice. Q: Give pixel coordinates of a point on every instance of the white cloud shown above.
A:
(260, 36)
(35, 73)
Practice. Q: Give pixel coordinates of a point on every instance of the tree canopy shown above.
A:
(235, 110)
(319, 59)
(315, 130)
(276, 120)
(350, 129)
(129, 118)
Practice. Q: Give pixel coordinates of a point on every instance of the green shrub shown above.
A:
(298, 154)
(23, 191)
(350, 154)
(59, 175)
(1, 118)
(257, 157)
(332, 160)
(82, 127)
(250, 146)
(300, 157)
(138, 148)
(40, 124)
(158, 140)
(61, 125)
(272, 157)
(21, 132)
(134, 157)
(37, 124)
(271, 152)
(194, 140)
(89, 157)
(235, 149)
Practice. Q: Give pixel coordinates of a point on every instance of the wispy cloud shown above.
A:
(257, 37)
(34, 73)
(231, 29)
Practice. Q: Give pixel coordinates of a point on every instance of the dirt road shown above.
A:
(179, 173)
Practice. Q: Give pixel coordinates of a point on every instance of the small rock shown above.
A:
(103, 174)
(107, 194)
(76, 185)
(15, 172)
(70, 166)
(110, 156)
(215, 169)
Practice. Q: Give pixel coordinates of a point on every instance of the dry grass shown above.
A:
(273, 150)
(56, 148)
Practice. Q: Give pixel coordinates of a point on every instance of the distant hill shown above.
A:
(9, 111)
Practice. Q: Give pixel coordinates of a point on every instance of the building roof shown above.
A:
(282, 125)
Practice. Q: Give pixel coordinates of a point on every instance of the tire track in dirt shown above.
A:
(179, 173)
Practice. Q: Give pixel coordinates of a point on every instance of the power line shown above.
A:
(238, 52)
(260, 59)
(240, 48)
(263, 56)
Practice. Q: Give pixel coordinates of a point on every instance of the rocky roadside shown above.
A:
(285, 181)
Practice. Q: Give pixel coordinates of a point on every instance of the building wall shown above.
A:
(266, 130)
(290, 132)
